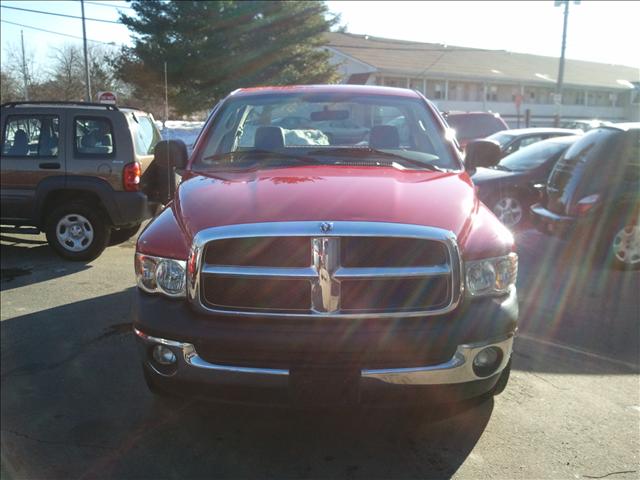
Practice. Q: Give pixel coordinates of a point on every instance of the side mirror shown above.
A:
(169, 157)
(171, 154)
(482, 153)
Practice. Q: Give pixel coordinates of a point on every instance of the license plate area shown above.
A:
(320, 387)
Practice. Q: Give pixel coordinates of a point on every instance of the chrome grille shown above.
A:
(353, 269)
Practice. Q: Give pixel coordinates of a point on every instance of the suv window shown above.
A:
(31, 136)
(146, 136)
(93, 136)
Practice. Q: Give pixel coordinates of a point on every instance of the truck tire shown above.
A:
(503, 380)
(121, 235)
(77, 231)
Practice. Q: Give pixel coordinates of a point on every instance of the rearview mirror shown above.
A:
(482, 153)
(324, 115)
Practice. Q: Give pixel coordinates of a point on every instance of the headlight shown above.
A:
(491, 276)
(164, 275)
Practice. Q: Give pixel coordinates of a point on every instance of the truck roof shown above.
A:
(328, 89)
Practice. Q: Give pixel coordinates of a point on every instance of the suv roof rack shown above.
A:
(55, 102)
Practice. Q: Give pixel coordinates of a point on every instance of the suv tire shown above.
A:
(77, 231)
(121, 235)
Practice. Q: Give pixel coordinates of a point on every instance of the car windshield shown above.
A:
(502, 138)
(290, 128)
(474, 125)
(532, 156)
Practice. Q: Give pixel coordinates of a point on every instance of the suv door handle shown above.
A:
(49, 165)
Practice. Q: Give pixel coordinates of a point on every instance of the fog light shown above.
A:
(163, 355)
(487, 361)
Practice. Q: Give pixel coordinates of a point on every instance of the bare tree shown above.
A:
(10, 90)
(13, 66)
(67, 72)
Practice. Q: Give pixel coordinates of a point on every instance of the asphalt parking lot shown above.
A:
(74, 404)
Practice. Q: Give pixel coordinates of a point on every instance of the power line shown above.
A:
(60, 14)
(107, 5)
(55, 33)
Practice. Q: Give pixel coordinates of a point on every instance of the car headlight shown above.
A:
(491, 276)
(163, 275)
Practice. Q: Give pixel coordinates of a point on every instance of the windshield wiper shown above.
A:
(249, 154)
(366, 152)
(501, 167)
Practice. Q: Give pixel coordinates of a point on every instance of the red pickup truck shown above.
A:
(288, 269)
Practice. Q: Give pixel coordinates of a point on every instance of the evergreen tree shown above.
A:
(214, 47)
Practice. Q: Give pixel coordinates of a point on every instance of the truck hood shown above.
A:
(325, 193)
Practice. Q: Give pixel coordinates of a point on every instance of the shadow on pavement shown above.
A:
(569, 300)
(26, 261)
(74, 404)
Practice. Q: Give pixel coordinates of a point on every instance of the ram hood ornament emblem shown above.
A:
(326, 227)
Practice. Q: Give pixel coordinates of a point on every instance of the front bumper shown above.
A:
(191, 367)
(131, 208)
(548, 222)
(244, 378)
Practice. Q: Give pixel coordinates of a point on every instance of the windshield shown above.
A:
(285, 128)
(474, 125)
(533, 156)
(502, 138)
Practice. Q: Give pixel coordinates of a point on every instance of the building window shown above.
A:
(580, 97)
(438, 89)
(416, 84)
(398, 82)
(492, 93)
(598, 99)
(455, 91)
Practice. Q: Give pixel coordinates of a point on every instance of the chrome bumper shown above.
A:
(191, 367)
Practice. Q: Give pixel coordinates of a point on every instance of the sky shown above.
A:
(601, 31)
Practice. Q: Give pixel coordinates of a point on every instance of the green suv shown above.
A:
(76, 171)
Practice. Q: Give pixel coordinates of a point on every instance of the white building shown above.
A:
(470, 79)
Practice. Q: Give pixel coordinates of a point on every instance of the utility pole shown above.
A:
(24, 69)
(86, 56)
(558, 96)
(166, 97)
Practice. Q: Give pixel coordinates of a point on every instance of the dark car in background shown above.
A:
(593, 196)
(512, 186)
(585, 125)
(474, 125)
(511, 141)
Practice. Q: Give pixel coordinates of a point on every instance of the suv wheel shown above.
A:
(77, 232)
(509, 210)
(121, 235)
